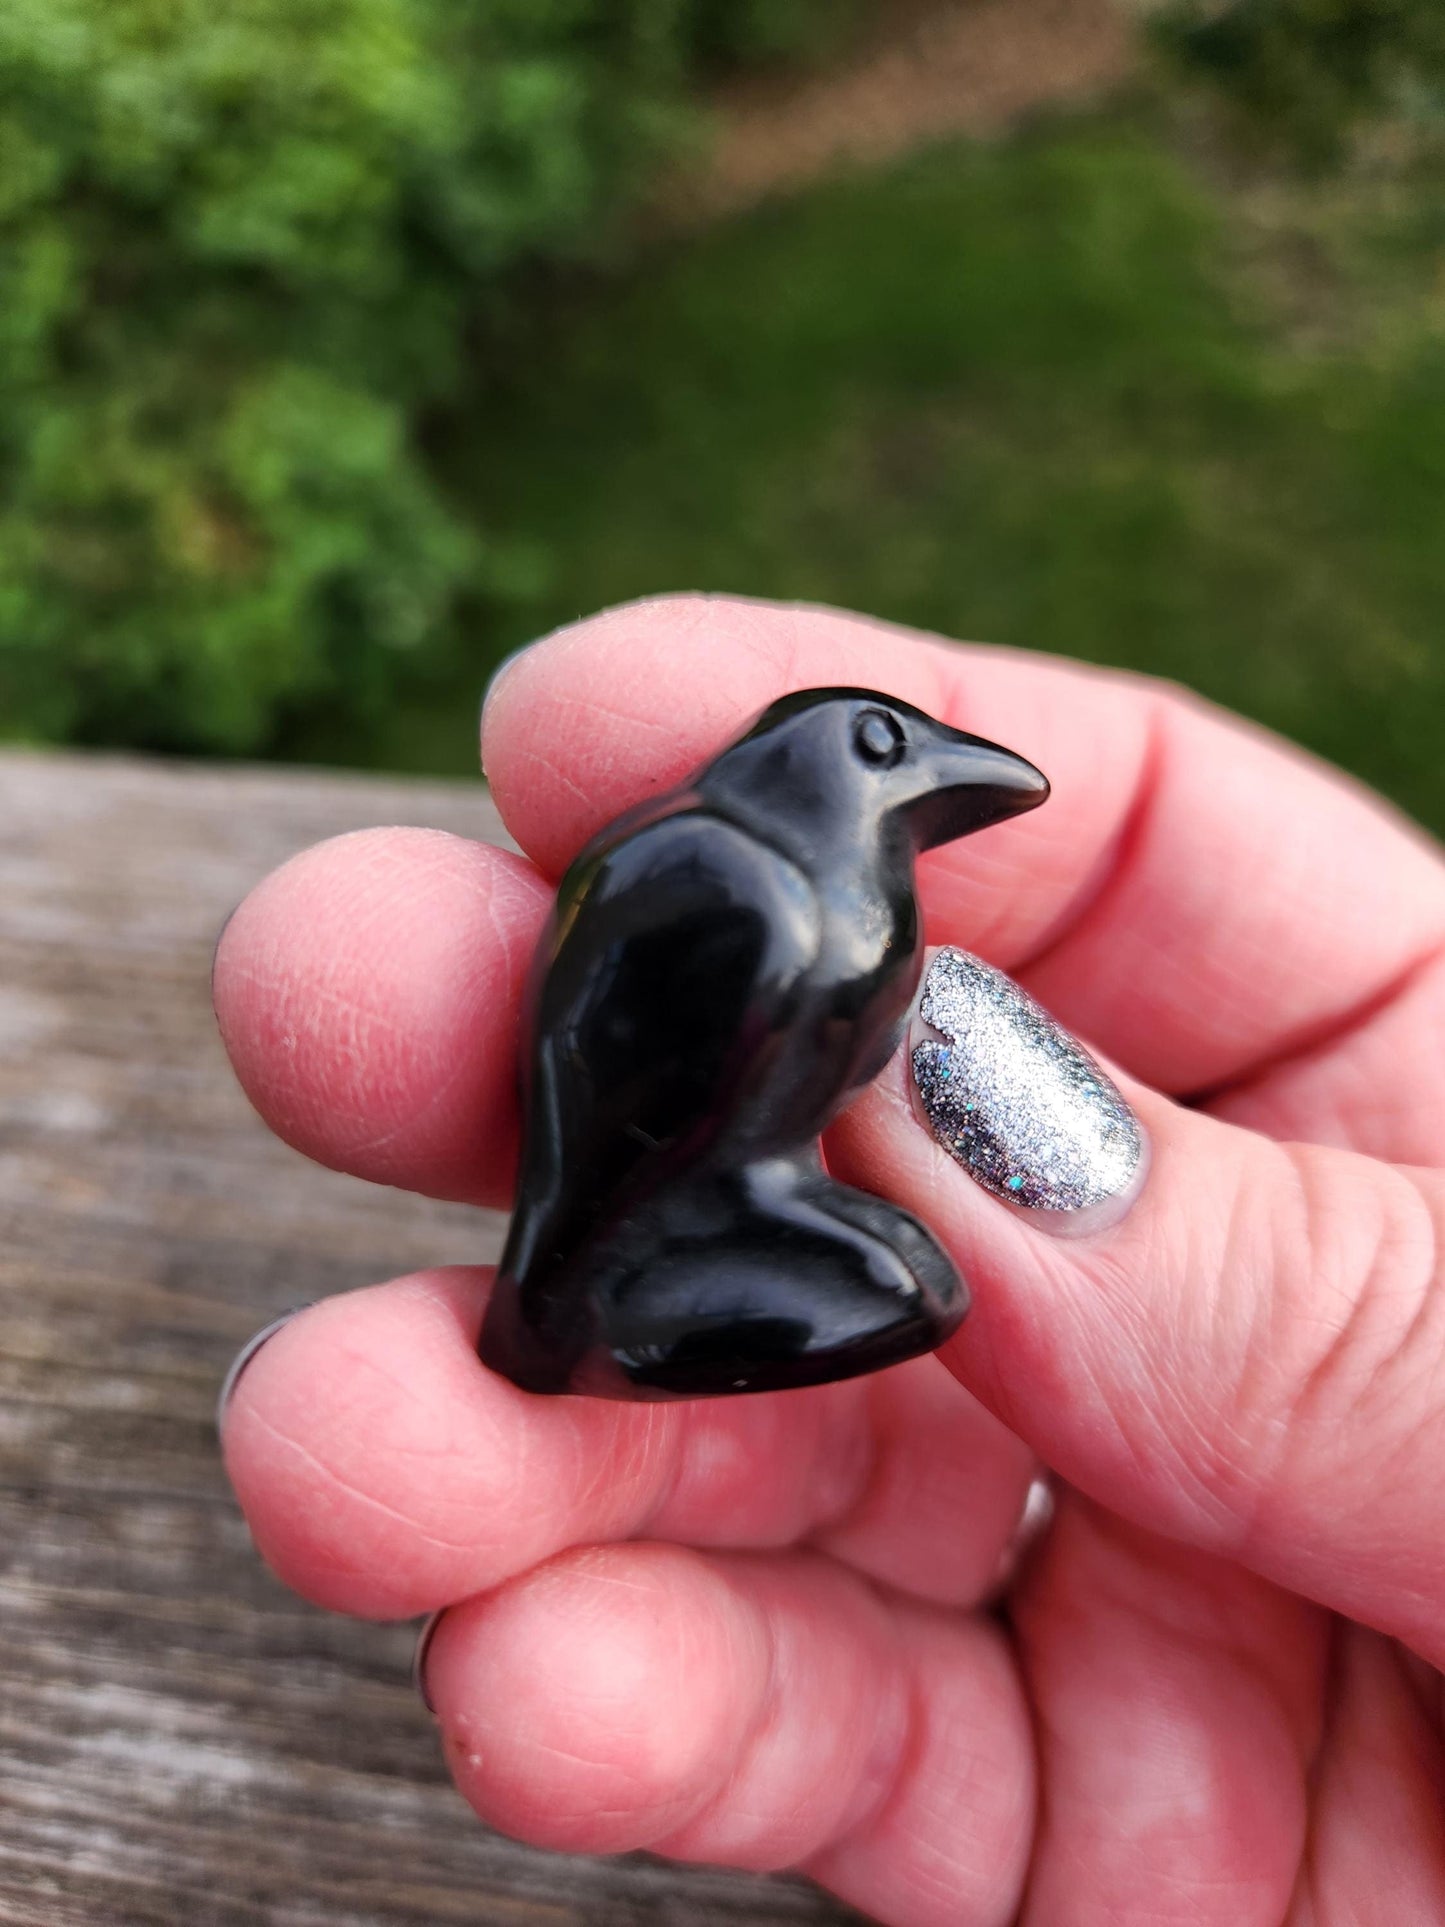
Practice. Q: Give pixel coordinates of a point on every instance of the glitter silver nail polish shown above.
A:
(1022, 1107)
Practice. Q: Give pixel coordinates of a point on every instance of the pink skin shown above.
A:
(748, 1631)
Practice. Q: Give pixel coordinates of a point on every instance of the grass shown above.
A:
(1070, 393)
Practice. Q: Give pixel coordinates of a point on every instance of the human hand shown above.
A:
(758, 1631)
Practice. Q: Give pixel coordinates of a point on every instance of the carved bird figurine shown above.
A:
(724, 967)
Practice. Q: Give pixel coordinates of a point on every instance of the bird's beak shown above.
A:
(965, 784)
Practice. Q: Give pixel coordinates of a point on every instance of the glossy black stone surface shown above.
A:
(724, 967)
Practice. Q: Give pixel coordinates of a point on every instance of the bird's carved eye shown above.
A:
(878, 738)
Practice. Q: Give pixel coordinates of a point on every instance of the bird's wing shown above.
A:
(674, 956)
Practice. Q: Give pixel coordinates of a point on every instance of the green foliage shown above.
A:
(1309, 70)
(239, 248)
(740, 33)
(297, 438)
(1031, 393)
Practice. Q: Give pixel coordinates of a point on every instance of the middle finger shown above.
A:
(385, 1472)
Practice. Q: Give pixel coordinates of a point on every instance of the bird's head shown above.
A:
(853, 760)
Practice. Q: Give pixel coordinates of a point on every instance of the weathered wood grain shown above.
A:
(180, 1740)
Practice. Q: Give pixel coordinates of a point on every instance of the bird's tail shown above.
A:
(754, 1280)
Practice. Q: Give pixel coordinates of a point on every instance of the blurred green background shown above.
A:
(347, 344)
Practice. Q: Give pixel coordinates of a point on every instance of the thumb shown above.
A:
(1250, 1356)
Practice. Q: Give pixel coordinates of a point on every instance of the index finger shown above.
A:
(1198, 898)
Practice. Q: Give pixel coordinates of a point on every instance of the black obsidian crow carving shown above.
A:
(724, 967)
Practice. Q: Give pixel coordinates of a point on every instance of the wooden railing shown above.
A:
(180, 1739)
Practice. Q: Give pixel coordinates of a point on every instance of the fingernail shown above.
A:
(1034, 1521)
(247, 1352)
(220, 935)
(1019, 1103)
(418, 1660)
(494, 683)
